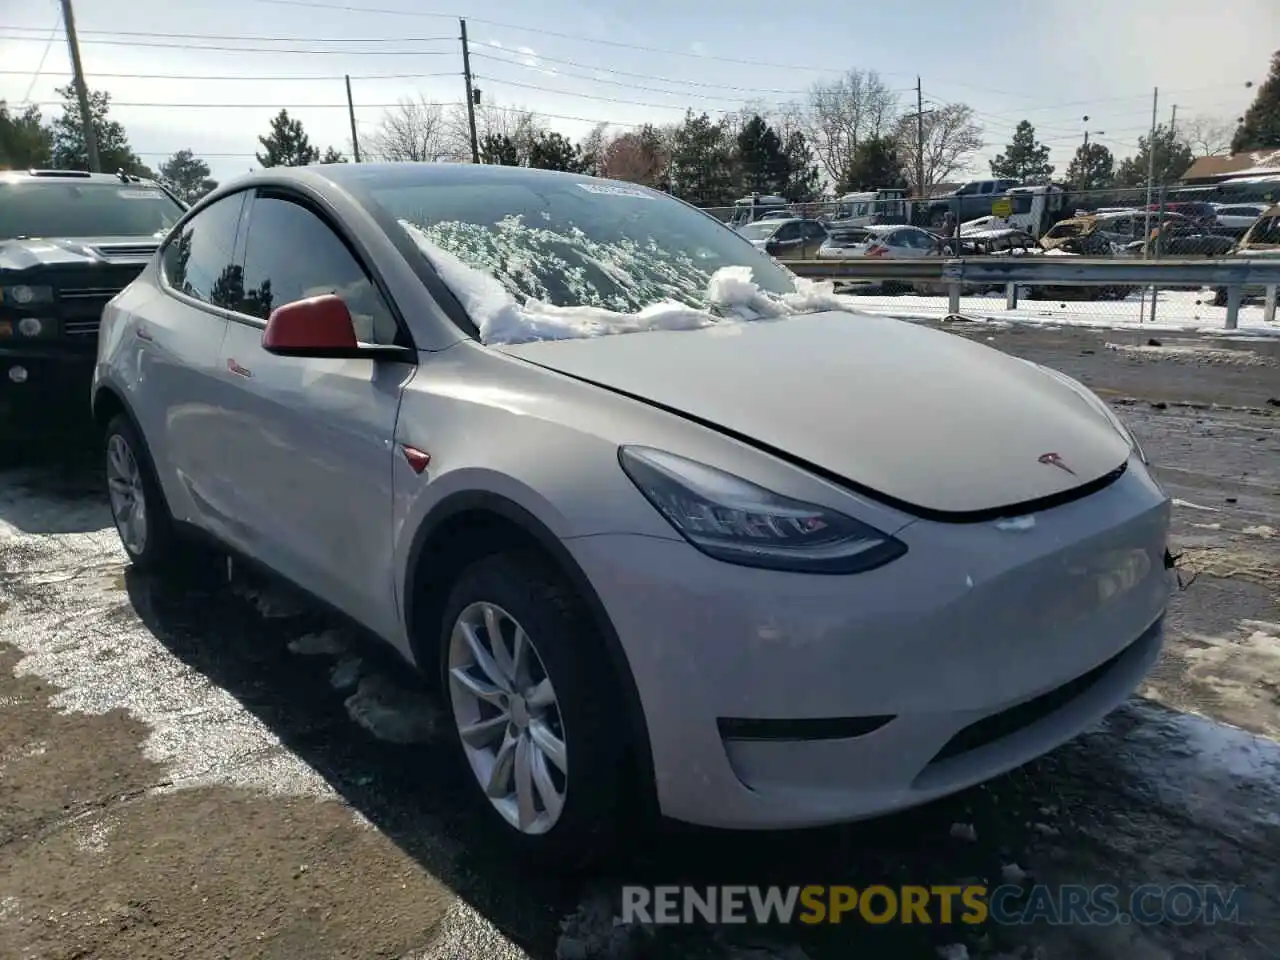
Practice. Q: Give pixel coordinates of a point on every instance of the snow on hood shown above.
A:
(730, 295)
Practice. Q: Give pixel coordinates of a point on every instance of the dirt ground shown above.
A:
(210, 768)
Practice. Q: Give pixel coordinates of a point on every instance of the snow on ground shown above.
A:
(1176, 311)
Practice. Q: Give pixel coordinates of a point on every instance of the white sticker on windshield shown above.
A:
(611, 191)
(140, 194)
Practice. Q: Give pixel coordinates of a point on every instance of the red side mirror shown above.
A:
(315, 327)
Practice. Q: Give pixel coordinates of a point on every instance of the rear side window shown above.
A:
(291, 254)
(1266, 231)
(200, 260)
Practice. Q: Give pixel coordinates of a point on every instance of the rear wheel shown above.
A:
(532, 700)
(137, 504)
(1220, 297)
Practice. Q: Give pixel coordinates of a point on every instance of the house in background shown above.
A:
(1208, 171)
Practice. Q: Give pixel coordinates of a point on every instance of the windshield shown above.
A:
(580, 243)
(63, 209)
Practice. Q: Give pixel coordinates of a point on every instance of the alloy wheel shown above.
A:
(508, 717)
(127, 494)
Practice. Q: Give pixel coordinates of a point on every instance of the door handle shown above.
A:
(238, 370)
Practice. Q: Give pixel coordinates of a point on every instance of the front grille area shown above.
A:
(89, 293)
(80, 328)
(110, 250)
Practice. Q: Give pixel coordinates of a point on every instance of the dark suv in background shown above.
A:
(69, 242)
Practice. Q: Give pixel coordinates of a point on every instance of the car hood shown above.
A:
(41, 252)
(928, 421)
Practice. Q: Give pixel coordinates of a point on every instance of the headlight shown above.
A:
(736, 521)
(24, 295)
(30, 327)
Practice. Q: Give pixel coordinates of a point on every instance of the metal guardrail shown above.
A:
(1234, 274)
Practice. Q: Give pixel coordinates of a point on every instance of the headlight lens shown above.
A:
(24, 295)
(736, 521)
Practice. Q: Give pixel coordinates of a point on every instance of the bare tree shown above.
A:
(950, 136)
(846, 111)
(520, 125)
(1207, 136)
(414, 131)
(639, 156)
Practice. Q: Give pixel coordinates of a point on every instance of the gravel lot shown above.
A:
(208, 768)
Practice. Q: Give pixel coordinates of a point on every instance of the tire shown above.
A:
(570, 654)
(1220, 297)
(125, 452)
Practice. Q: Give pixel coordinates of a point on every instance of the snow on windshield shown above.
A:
(482, 268)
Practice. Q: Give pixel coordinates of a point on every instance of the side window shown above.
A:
(789, 231)
(199, 260)
(967, 190)
(986, 187)
(815, 230)
(291, 254)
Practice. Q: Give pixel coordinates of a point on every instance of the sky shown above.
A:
(626, 63)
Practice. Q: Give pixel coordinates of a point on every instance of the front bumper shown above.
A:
(979, 650)
(54, 396)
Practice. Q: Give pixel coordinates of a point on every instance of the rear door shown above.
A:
(315, 447)
(180, 339)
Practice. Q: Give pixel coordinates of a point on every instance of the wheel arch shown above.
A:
(468, 525)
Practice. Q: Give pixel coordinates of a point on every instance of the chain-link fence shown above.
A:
(1236, 218)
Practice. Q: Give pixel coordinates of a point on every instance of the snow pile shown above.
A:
(730, 293)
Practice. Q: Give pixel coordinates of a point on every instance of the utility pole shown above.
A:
(471, 99)
(1173, 121)
(351, 115)
(1151, 164)
(82, 91)
(919, 139)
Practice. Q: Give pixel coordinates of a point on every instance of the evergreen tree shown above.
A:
(187, 175)
(287, 145)
(1260, 127)
(25, 142)
(874, 164)
(552, 151)
(333, 155)
(1092, 168)
(1172, 157)
(499, 149)
(702, 162)
(762, 162)
(1025, 159)
(68, 147)
(804, 180)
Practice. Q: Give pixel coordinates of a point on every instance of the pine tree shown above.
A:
(1172, 157)
(702, 161)
(287, 145)
(1260, 128)
(500, 150)
(553, 151)
(762, 163)
(1025, 159)
(68, 148)
(187, 175)
(333, 155)
(804, 181)
(1092, 168)
(874, 164)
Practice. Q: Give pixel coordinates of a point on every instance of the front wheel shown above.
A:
(137, 504)
(533, 700)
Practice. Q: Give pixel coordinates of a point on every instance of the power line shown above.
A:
(248, 38)
(242, 76)
(223, 49)
(585, 96)
(258, 106)
(488, 55)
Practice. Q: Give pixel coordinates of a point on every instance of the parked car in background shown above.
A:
(757, 207)
(891, 241)
(655, 555)
(1262, 239)
(69, 242)
(1236, 218)
(786, 239)
(969, 201)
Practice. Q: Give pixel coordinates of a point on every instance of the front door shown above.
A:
(316, 450)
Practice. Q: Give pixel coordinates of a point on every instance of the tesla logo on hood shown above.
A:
(1055, 460)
